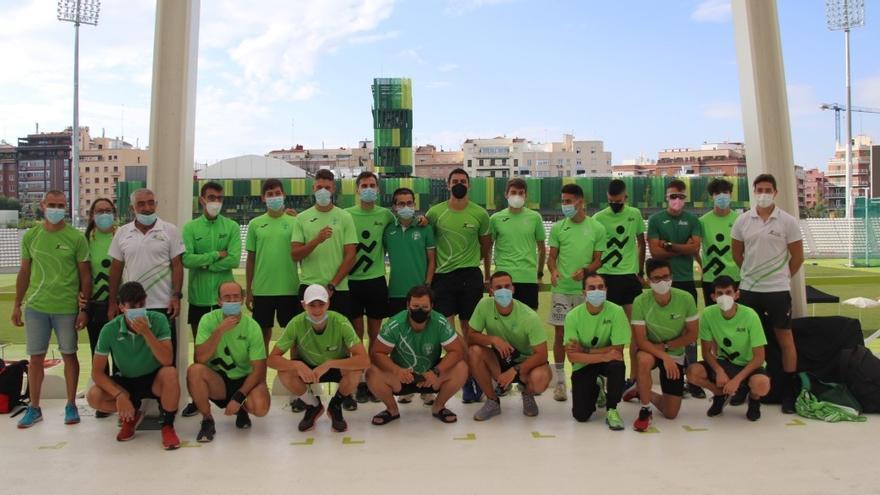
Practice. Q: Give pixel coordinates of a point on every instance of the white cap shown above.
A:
(315, 292)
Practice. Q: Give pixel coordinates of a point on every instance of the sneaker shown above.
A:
(242, 420)
(362, 395)
(312, 414)
(788, 404)
(696, 392)
(129, 427)
(560, 394)
(334, 410)
(754, 411)
(501, 391)
(428, 399)
(717, 406)
(206, 431)
(631, 392)
(628, 384)
(101, 415)
(297, 405)
(169, 438)
(31, 416)
(530, 407)
(612, 419)
(601, 400)
(469, 392)
(405, 399)
(739, 398)
(348, 403)
(643, 422)
(189, 411)
(489, 409)
(71, 414)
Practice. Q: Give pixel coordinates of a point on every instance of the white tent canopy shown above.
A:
(251, 167)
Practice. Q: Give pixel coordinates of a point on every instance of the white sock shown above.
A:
(560, 372)
(309, 398)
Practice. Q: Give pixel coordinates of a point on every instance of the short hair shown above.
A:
(210, 185)
(676, 184)
(366, 174)
(324, 174)
(654, 264)
(54, 192)
(220, 287)
(271, 184)
(402, 190)
(131, 293)
(142, 190)
(499, 274)
(765, 178)
(573, 189)
(457, 171)
(718, 186)
(724, 281)
(616, 187)
(517, 183)
(592, 274)
(420, 291)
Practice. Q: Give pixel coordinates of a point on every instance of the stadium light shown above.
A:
(78, 12)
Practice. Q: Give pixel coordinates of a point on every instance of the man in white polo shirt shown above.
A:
(148, 251)
(766, 244)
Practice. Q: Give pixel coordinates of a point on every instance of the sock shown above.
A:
(337, 398)
(167, 416)
(560, 372)
(309, 398)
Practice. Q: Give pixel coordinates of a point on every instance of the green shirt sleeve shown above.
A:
(26, 244)
(638, 311)
(540, 235)
(297, 235)
(570, 328)
(696, 227)
(705, 328)
(190, 258)
(349, 234)
(348, 334)
(447, 334)
(478, 318)
(82, 248)
(691, 309)
(621, 333)
(640, 223)
(429, 237)
(159, 326)
(492, 228)
(387, 335)
(256, 346)
(250, 240)
(206, 328)
(653, 228)
(483, 218)
(233, 249)
(554, 236)
(104, 338)
(757, 337)
(285, 342)
(537, 336)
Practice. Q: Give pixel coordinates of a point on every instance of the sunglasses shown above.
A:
(677, 196)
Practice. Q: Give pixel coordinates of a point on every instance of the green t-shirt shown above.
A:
(274, 269)
(593, 331)
(99, 257)
(457, 234)
(369, 261)
(316, 348)
(417, 351)
(237, 348)
(321, 265)
(576, 243)
(621, 253)
(734, 338)
(204, 238)
(516, 236)
(677, 230)
(131, 354)
(55, 259)
(522, 328)
(407, 255)
(664, 323)
(717, 253)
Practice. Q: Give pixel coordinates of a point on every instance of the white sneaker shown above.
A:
(560, 393)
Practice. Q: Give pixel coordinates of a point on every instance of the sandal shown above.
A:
(384, 417)
(445, 415)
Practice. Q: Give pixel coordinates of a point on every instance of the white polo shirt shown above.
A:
(765, 254)
(147, 258)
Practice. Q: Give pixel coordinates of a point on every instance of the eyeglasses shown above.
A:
(676, 196)
(665, 278)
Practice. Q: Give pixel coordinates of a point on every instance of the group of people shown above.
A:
(320, 275)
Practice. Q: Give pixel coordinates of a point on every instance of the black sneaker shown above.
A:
(242, 420)
(101, 414)
(189, 411)
(206, 432)
(739, 398)
(696, 392)
(717, 405)
(297, 406)
(334, 410)
(754, 412)
(349, 404)
(362, 395)
(311, 415)
(788, 404)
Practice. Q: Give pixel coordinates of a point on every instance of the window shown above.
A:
(116, 169)
(106, 168)
(516, 162)
(480, 162)
(87, 169)
(470, 164)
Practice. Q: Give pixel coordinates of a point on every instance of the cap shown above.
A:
(315, 292)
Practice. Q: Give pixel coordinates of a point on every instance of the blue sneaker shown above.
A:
(31, 415)
(71, 414)
(471, 392)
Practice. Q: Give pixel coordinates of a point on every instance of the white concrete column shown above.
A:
(765, 110)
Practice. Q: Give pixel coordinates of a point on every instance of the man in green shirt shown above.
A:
(507, 343)
(733, 341)
(518, 235)
(411, 251)
(717, 255)
(664, 321)
(595, 333)
(324, 348)
(53, 276)
(576, 244)
(406, 358)
(140, 343)
(463, 236)
(230, 367)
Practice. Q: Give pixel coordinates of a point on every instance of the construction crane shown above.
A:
(837, 107)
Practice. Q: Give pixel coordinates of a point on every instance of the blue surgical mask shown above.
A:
(275, 203)
(596, 297)
(323, 197)
(369, 195)
(231, 308)
(503, 297)
(135, 313)
(406, 212)
(569, 210)
(314, 321)
(104, 220)
(146, 219)
(54, 215)
(722, 201)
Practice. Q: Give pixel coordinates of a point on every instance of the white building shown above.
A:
(512, 157)
(251, 167)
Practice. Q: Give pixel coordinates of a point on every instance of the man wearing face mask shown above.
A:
(733, 341)
(664, 322)
(54, 275)
(324, 348)
(675, 235)
(406, 358)
(768, 248)
(717, 257)
(230, 367)
(595, 334)
(507, 343)
(576, 244)
(148, 250)
(411, 250)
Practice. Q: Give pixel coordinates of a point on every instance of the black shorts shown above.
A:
(139, 387)
(622, 289)
(774, 308)
(458, 292)
(339, 301)
(667, 385)
(731, 369)
(232, 386)
(333, 375)
(368, 297)
(506, 364)
(396, 305)
(414, 388)
(526, 294)
(688, 286)
(197, 312)
(267, 308)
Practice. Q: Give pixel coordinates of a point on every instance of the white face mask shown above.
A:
(764, 200)
(661, 287)
(213, 208)
(516, 201)
(724, 302)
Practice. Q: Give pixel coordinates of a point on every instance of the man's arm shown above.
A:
(232, 259)
(640, 334)
(658, 251)
(486, 254)
(176, 286)
(551, 265)
(257, 374)
(688, 337)
(161, 349)
(737, 248)
(116, 267)
(380, 353)
(640, 242)
(349, 253)
(206, 349)
(756, 362)
(690, 248)
(796, 250)
(538, 357)
(249, 265)
(542, 256)
(595, 263)
(22, 281)
(431, 253)
(102, 380)
(357, 360)
(277, 361)
(191, 259)
(593, 356)
(710, 356)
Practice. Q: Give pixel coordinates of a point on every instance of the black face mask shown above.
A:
(419, 315)
(616, 207)
(459, 190)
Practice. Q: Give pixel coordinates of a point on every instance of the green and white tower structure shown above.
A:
(392, 127)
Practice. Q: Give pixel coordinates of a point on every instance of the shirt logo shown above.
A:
(675, 316)
(427, 348)
(469, 225)
(312, 220)
(666, 221)
(774, 233)
(682, 222)
(241, 337)
(62, 247)
(221, 236)
(331, 348)
(264, 225)
(741, 330)
(505, 219)
(416, 236)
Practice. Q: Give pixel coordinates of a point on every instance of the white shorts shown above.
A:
(561, 304)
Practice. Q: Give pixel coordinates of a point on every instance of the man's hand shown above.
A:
(324, 234)
(82, 299)
(290, 211)
(112, 310)
(228, 323)
(305, 374)
(671, 368)
(422, 220)
(613, 355)
(578, 274)
(173, 308)
(502, 347)
(731, 386)
(124, 407)
(232, 407)
(430, 380)
(554, 278)
(721, 379)
(319, 371)
(223, 254)
(404, 375)
(16, 316)
(506, 378)
(140, 325)
(82, 319)
(249, 301)
(574, 346)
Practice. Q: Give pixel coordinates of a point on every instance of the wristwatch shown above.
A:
(331, 288)
(667, 244)
(177, 295)
(540, 274)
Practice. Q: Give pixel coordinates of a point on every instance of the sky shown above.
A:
(640, 75)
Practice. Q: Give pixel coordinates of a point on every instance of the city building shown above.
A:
(712, 159)
(635, 167)
(865, 176)
(815, 188)
(392, 126)
(435, 164)
(8, 171)
(510, 157)
(43, 164)
(800, 178)
(346, 162)
(103, 163)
